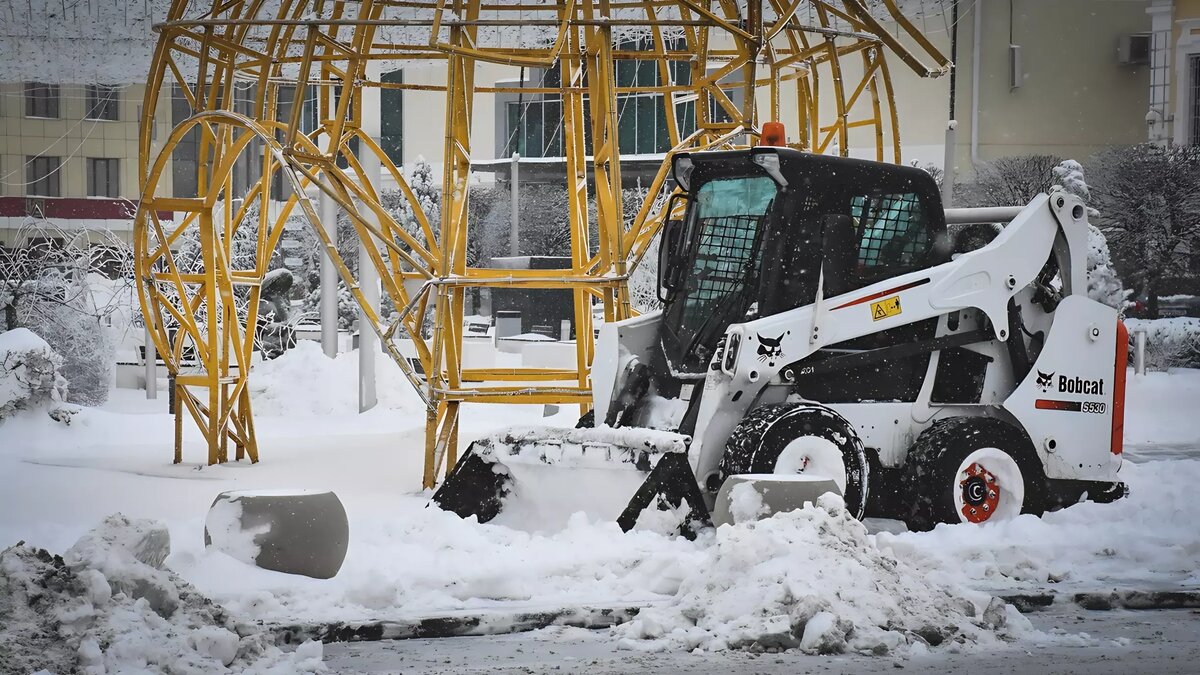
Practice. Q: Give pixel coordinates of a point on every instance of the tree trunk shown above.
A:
(10, 314)
(1152, 296)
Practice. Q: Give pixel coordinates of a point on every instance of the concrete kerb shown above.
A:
(1107, 600)
(491, 623)
(496, 623)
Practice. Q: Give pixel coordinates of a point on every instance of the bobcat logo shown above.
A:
(770, 349)
(1045, 380)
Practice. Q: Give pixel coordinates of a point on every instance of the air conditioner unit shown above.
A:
(1016, 75)
(1134, 49)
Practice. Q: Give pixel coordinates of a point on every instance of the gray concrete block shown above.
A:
(295, 532)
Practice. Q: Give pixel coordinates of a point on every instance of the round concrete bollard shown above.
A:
(293, 531)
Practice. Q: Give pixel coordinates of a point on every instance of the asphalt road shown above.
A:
(1117, 642)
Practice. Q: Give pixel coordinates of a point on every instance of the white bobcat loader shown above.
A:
(820, 332)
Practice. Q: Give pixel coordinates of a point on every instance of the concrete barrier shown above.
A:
(292, 531)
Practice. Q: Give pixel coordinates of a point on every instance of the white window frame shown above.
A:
(55, 174)
(112, 176)
(92, 103)
(1187, 47)
(37, 86)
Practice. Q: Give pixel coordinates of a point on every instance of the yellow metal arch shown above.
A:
(285, 52)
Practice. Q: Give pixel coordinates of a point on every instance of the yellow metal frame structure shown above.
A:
(827, 56)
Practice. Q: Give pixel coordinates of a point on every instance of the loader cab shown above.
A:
(761, 224)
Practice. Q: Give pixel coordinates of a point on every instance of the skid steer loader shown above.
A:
(820, 332)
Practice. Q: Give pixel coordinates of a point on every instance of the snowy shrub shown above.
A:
(1103, 283)
(88, 353)
(1011, 181)
(29, 372)
(65, 285)
(1149, 201)
(1170, 343)
(347, 308)
(1069, 174)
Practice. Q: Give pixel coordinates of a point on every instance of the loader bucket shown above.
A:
(535, 479)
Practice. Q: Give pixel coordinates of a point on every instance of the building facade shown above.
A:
(1063, 77)
(68, 152)
(1173, 49)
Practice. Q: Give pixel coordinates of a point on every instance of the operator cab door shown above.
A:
(877, 223)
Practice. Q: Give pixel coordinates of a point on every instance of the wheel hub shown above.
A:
(980, 493)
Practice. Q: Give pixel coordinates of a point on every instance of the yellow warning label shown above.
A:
(885, 308)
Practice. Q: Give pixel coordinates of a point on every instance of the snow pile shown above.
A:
(29, 372)
(108, 606)
(303, 382)
(813, 579)
(1146, 540)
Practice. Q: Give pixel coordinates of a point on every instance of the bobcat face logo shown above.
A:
(1045, 380)
(770, 349)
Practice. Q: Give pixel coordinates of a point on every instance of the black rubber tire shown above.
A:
(757, 441)
(932, 463)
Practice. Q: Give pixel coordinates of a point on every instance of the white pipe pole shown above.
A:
(948, 166)
(329, 280)
(982, 214)
(151, 367)
(976, 36)
(514, 247)
(368, 276)
(1139, 351)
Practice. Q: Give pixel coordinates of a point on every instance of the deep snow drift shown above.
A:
(406, 561)
(815, 580)
(108, 606)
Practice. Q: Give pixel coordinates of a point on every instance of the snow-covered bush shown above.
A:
(1149, 201)
(1103, 283)
(1170, 343)
(347, 308)
(88, 353)
(1011, 181)
(29, 372)
(51, 284)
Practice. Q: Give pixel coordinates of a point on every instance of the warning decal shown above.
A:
(885, 308)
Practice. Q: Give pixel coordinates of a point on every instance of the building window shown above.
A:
(102, 102)
(1194, 98)
(184, 161)
(41, 100)
(41, 176)
(391, 114)
(535, 122)
(103, 176)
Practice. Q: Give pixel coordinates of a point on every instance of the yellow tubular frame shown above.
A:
(203, 319)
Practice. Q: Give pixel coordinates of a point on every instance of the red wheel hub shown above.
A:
(980, 493)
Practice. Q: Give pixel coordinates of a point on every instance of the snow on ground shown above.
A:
(406, 560)
(812, 579)
(108, 606)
